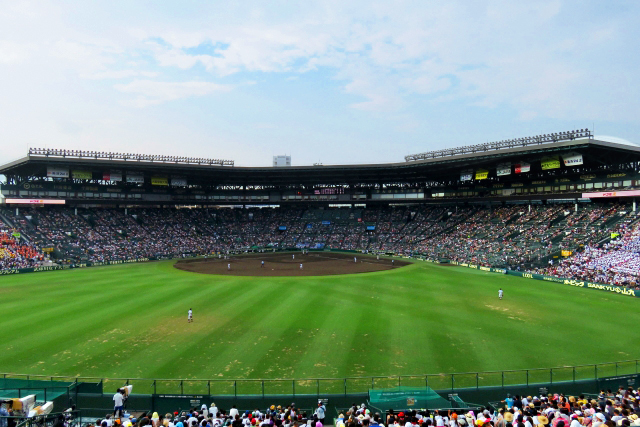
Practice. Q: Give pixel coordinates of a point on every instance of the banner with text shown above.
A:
(158, 180)
(522, 167)
(178, 182)
(629, 193)
(466, 175)
(503, 169)
(81, 174)
(482, 174)
(550, 162)
(34, 202)
(135, 178)
(54, 172)
(113, 176)
(572, 159)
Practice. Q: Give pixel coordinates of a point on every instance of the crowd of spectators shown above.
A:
(15, 253)
(616, 262)
(213, 416)
(506, 236)
(608, 409)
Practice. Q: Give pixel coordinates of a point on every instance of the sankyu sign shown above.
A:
(466, 175)
(34, 201)
(57, 172)
(630, 193)
(572, 159)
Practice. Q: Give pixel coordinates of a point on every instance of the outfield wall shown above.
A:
(571, 282)
(95, 399)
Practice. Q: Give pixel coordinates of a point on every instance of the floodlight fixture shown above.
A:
(504, 144)
(52, 152)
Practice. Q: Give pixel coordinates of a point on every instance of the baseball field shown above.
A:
(130, 321)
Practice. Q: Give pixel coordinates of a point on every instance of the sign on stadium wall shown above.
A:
(503, 169)
(466, 175)
(550, 162)
(54, 172)
(572, 159)
(178, 182)
(522, 167)
(113, 176)
(76, 174)
(629, 193)
(34, 202)
(135, 178)
(482, 174)
(157, 180)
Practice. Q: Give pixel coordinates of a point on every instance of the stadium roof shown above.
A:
(595, 153)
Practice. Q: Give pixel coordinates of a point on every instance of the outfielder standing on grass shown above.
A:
(190, 316)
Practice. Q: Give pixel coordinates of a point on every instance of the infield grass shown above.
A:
(131, 321)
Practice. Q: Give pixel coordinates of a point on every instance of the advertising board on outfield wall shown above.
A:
(577, 283)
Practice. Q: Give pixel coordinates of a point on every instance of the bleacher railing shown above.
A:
(353, 385)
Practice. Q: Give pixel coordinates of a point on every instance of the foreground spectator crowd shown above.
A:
(607, 409)
(509, 236)
(213, 416)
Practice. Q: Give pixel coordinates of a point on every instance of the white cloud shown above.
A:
(493, 54)
(13, 53)
(152, 92)
(120, 74)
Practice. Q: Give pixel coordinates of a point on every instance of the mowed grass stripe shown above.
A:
(130, 321)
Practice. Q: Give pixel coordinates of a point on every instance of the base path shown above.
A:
(283, 264)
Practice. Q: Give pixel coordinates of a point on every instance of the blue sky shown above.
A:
(331, 81)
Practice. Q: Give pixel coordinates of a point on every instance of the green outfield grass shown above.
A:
(130, 321)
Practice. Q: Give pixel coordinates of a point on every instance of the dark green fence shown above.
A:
(348, 385)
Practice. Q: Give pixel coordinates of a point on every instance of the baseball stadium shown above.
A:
(445, 282)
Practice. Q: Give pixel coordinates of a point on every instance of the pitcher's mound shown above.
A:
(284, 264)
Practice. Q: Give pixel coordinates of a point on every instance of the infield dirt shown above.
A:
(288, 264)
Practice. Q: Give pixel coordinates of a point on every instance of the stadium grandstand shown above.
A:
(561, 204)
(560, 207)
